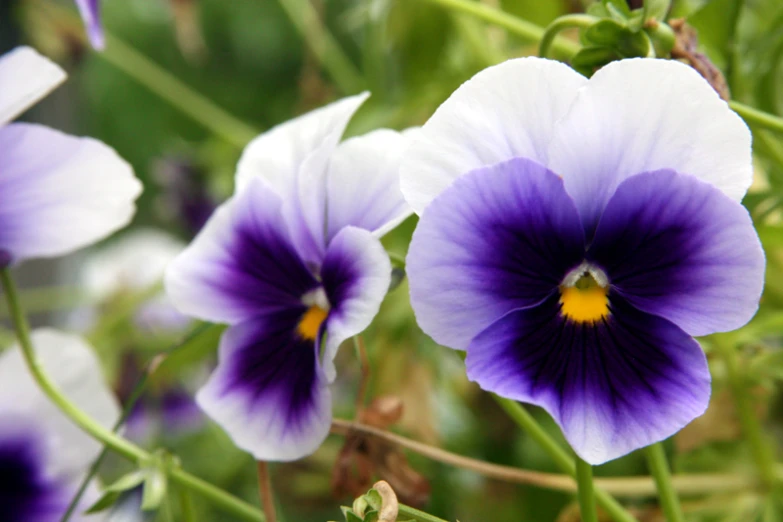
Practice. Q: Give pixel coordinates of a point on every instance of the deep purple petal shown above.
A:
(268, 391)
(356, 275)
(91, 15)
(27, 492)
(613, 386)
(242, 263)
(679, 248)
(499, 238)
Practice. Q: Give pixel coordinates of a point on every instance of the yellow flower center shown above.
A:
(585, 301)
(311, 322)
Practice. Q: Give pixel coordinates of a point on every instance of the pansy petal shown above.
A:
(677, 247)
(503, 112)
(59, 192)
(26, 77)
(268, 391)
(293, 158)
(356, 275)
(642, 115)
(613, 386)
(499, 238)
(76, 372)
(91, 14)
(242, 263)
(364, 183)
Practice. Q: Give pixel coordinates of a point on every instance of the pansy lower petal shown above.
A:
(76, 372)
(642, 115)
(242, 263)
(503, 112)
(59, 192)
(613, 386)
(268, 391)
(364, 182)
(499, 238)
(91, 15)
(356, 275)
(679, 248)
(26, 77)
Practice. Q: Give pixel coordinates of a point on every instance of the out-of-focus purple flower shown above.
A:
(43, 455)
(575, 234)
(91, 15)
(291, 259)
(170, 413)
(58, 192)
(185, 197)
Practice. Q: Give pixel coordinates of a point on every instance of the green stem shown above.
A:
(559, 455)
(756, 117)
(415, 514)
(584, 480)
(96, 430)
(659, 468)
(167, 86)
(763, 453)
(186, 506)
(323, 45)
(522, 28)
(581, 21)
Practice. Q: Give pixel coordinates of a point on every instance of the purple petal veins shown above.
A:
(597, 332)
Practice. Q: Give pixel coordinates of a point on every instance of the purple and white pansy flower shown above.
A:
(58, 192)
(44, 456)
(576, 234)
(294, 265)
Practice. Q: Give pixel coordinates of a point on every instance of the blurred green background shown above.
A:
(248, 58)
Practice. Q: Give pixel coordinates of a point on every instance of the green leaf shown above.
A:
(107, 500)
(155, 485)
(605, 33)
(656, 9)
(112, 493)
(350, 516)
(374, 499)
(618, 9)
(589, 59)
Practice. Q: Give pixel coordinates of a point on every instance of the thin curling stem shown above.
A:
(581, 21)
(584, 479)
(659, 468)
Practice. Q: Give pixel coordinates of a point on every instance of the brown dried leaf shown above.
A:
(685, 48)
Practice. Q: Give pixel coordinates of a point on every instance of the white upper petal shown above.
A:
(73, 367)
(642, 115)
(292, 159)
(506, 111)
(25, 77)
(363, 188)
(58, 192)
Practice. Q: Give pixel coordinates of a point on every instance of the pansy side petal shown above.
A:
(503, 112)
(26, 77)
(356, 276)
(613, 386)
(293, 158)
(268, 391)
(678, 247)
(242, 263)
(75, 370)
(58, 192)
(498, 238)
(364, 183)
(91, 15)
(642, 115)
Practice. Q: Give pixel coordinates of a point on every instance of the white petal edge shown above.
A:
(640, 115)
(371, 267)
(505, 111)
(26, 77)
(363, 187)
(60, 192)
(73, 367)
